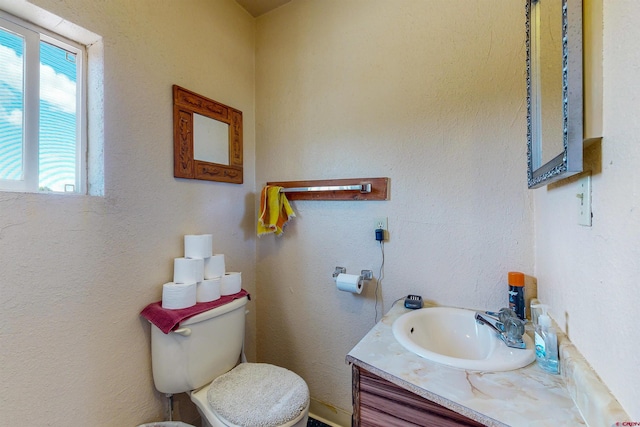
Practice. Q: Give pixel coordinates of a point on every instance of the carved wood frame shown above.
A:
(185, 104)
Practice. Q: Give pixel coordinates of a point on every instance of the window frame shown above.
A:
(33, 36)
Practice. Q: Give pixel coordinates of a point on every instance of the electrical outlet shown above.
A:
(381, 223)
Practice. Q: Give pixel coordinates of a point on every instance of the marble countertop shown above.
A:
(524, 397)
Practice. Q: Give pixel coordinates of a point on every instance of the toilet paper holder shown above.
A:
(364, 274)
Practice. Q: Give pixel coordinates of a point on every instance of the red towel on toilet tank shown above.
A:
(168, 320)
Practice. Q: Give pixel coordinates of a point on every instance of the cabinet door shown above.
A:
(380, 403)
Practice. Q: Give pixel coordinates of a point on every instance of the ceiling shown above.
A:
(260, 7)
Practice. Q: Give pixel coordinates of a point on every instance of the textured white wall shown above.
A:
(429, 93)
(76, 270)
(589, 275)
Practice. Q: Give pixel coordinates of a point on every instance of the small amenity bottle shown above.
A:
(516, 293)
(546, 343)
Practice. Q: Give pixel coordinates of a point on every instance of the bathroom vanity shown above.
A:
(378, 402)
(392, 386)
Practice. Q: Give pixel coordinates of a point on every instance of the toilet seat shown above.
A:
(256, 394)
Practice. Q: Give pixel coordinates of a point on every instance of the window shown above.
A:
(42, 110)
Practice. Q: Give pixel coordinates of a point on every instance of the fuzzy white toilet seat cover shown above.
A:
(258, 395)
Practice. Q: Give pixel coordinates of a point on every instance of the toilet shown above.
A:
(201, 358)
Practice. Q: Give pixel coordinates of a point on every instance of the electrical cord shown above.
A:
(379, 281)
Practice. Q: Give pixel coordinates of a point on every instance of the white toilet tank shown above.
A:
(208, 346)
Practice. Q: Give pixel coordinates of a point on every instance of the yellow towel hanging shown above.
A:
(275, 211)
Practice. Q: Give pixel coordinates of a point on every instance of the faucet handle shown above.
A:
(506, 313)
(514, 328)
(502, 316)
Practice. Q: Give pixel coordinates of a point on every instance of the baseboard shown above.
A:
(329, 414)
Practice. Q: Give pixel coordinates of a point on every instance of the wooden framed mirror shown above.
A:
(207, 138)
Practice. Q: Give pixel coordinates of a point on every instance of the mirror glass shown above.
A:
(549, 59)
(210, 140)
(207, 138)
(554, 90)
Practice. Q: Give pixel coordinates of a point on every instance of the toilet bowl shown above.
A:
(200, 358)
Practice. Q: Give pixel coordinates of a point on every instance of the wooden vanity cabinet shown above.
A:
(380, 403)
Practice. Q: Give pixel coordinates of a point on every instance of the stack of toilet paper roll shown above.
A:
(199, 276)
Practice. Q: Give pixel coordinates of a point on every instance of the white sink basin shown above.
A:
(452, 336)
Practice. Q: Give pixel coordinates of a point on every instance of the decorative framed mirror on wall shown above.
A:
(207, 138)
(554, 90)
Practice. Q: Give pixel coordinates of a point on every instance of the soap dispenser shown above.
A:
(546, 343)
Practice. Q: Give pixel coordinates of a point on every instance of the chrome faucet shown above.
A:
(506, 324)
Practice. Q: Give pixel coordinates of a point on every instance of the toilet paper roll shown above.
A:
(349, 283)
(198, 245)
(188, 270)
(214, 266)
(208, 290)
(231, 283)
(178, 295)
